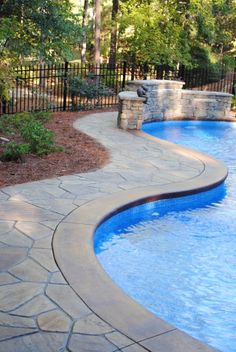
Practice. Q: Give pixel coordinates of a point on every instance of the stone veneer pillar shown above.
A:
(130, 111)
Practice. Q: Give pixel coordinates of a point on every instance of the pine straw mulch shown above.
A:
(81, 154)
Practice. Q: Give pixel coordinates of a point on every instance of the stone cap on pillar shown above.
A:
(129, 95)
(156, 84)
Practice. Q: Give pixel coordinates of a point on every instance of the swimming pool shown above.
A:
(181, 264)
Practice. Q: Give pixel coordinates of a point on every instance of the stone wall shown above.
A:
(167, 100)
(206, 105)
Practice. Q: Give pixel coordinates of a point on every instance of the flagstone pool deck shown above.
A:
(54, 296)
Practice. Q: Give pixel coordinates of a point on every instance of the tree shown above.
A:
(6, 80)
(152, 31)
(84, 38)
(193, 32)
(97, 33)
(113, 40)
(224, 43)
(39, 29)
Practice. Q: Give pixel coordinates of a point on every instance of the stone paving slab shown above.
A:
(39, 311)
(175, 341)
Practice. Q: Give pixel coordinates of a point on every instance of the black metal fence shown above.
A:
(68, 87)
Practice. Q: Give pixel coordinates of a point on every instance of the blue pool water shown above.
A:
(177, 257)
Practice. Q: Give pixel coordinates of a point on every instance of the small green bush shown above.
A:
(7, 125)
(20, 119)
(42, 116)
(29, 127)
(10, 124)
(39, 138)
(14, 151)
(90, 87)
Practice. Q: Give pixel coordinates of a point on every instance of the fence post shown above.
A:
(124, 74)
(4, 107)
(132, 71)
(145, 70)
(65, 79)
(181, 72)
(157, 71)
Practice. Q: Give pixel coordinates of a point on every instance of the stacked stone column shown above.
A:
(130, 111)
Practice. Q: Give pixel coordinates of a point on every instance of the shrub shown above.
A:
(14, 151)
(7, 125)
(12, 124)
(39, 138)
(28, 126)
(20, 119)
(89, 88)
(42, 116)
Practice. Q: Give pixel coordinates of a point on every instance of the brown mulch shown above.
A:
(81, 154)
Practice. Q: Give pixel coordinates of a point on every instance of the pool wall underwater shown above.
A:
(73, 246)
(164, 255)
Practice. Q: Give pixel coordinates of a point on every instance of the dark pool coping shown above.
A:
(74, 254)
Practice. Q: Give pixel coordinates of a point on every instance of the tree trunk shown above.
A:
(84, 41)
(97, 36)
(113, 42)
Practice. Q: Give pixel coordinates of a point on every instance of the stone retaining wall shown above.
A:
(167, 100)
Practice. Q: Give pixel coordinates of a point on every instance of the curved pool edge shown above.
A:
(74, 254)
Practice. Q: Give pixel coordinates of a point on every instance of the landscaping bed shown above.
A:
(81, 153)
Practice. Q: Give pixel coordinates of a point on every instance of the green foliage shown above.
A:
(7, 124)
(38, 139)
(20, 119)
(14, 151)
(158, 31)
(90, 90)
(12, 123)
(42, 116)
(6, 80)
(90, 87)
(154, 32)
(44, 30)
(170, 31)
(224, 12)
